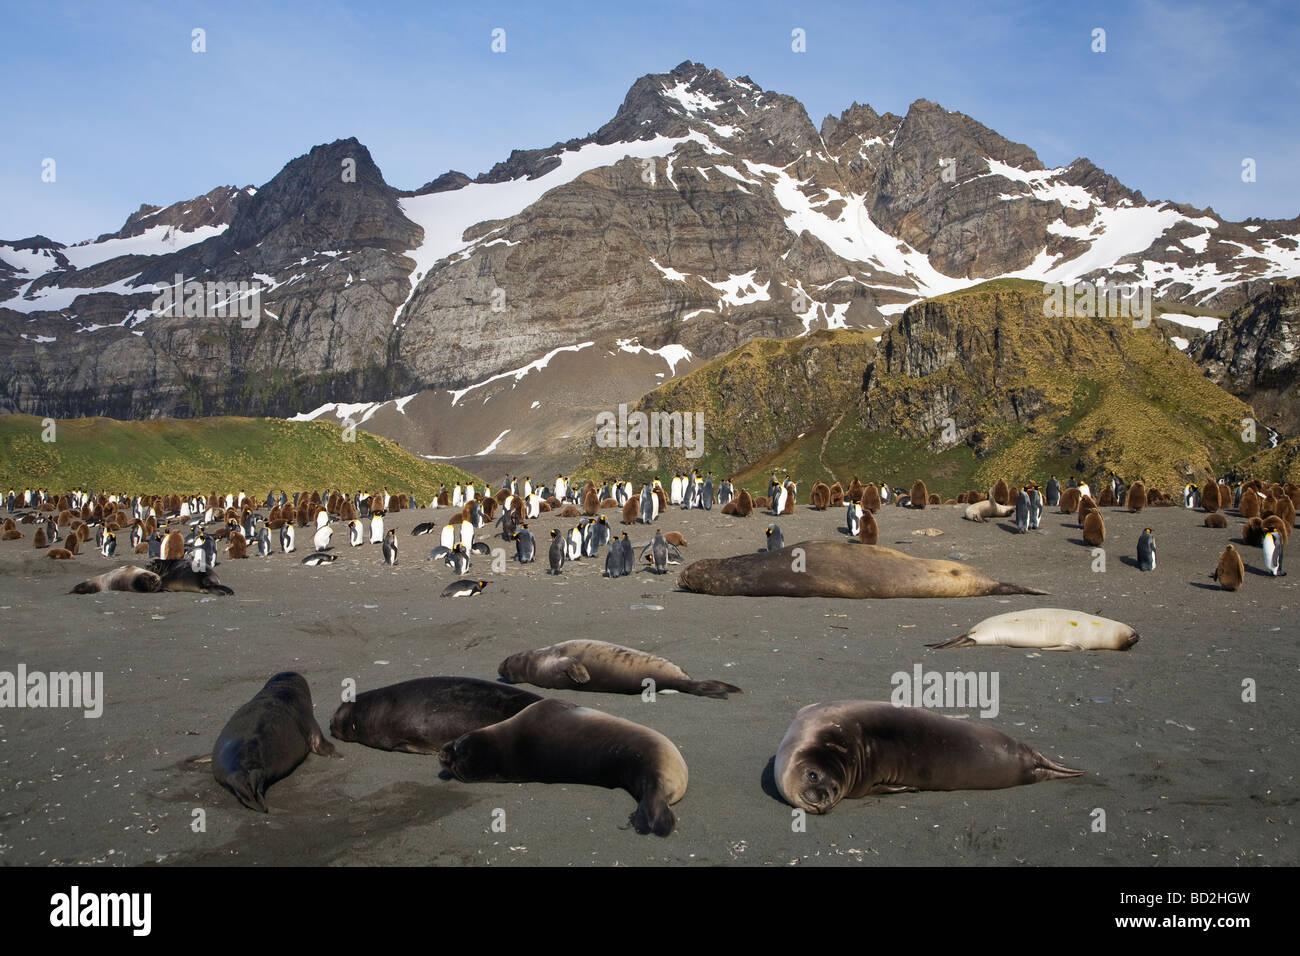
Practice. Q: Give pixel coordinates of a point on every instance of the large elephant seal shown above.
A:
(422, 716)
(840, 570)
(267, 738)
(604, 667)
(852, 748)
(177, 574)
(554, 741)
(126, 578)
(1048, 628)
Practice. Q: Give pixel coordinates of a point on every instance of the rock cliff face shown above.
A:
(706, 213)
(1255, 355)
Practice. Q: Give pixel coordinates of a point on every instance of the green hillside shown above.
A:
(201, 455)
(1028, 396)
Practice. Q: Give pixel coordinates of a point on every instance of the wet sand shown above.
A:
(1186, 773)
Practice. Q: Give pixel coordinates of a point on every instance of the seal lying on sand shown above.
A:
(267, 738)
(852, 748)
(1050, 628)
(125, 578)
(178, 575)
(600, 666)
(422, 716)
(840, 569)
(554, 741)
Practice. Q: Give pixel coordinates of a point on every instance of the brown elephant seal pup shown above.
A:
(554, 741)
(422, 716)
(1049, 628)
(604, 667)
(853, 748)
(839, 569)
(267, 738)
(126, 578)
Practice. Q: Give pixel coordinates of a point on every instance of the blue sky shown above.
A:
(115, 95)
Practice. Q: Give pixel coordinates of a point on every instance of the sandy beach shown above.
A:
(1186, 772)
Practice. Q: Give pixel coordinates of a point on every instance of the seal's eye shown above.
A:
(813, 776)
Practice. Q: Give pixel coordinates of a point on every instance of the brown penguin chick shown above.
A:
(1216, 520)
(1094, 529)
(38, 539)
(1210, 496)
(1002, 492)
(590, 503)
(744, 504)
(238, 547)
(1137, 497)
(837, 495)
(1252, 532)
(919, 497)
(59, 554)
(72, 544)
(1070, 498)
(631, 508)
(1231, 572)
(868, 530)
(870, 498)
(675, 539)
(820, 496)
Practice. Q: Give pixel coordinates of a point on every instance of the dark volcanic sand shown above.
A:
(1186, 772)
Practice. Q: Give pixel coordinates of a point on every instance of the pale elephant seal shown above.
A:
(853, 748)
(1049, 628)
(986, 509)
(554, 741)
(126, 578)
(267, 738)
(840, 570)
(422, 716)
(604, 667)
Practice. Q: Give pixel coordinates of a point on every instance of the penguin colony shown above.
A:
(178, 533)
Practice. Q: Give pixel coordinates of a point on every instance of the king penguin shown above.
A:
(390, 547)
(1272, 545)
(1147, 550)
(286, 537)
(557, 552)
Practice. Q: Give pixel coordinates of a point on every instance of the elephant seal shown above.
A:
(554, 741)
(126, 578)
(853, 748)
(267, 738)
(842, 570)
(177, 574)
(609, 668)
(988, 508)
(422, 716)
(1049, 628)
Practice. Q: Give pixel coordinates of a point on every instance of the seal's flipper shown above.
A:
(705, 688)
(249, 789)
(1006, 588)
(321, 746)
(1045, 769)
(961, 640)
(653, 815)
(574, 670)
(1063, 647)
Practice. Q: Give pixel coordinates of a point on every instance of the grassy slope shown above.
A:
(1141, 408)
(205, 454)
